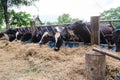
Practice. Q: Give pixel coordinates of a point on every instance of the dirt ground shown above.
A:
(19, 61)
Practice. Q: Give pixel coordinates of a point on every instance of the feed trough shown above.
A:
(117, 28)
(105, 46)
(117, 78)
(67, 44)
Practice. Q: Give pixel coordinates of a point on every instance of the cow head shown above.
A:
(18, 35)
(58, 41)
(26, 37)
(36, 37)
(46, 37)
(56, 38)
(75, 24)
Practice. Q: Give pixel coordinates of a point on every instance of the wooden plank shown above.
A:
(114, 20)
(95, 32)
(95, 66)
(106, 53)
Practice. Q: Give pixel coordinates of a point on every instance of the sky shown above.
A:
(49, 10)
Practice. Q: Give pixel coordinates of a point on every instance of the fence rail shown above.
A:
(106, 53)
(114, 20)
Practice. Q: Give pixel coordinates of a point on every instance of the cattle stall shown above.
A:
(96, 62)
(95, 33)
(76, 36)
(35, 53)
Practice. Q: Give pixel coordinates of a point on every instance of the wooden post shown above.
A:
(32, 23)
(95, 66)
(95, 32)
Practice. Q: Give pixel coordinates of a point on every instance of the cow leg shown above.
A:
(110, 45)
(117, 43)
(117, 48)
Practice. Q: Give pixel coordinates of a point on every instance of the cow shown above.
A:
(13, 34)
(116, 39)
(24, 34)
(9, 34)
(36, 37)
(27, 36)
(58, 37)
(83, 31)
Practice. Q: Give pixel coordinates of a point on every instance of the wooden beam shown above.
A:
(106, 53)
(32, 23)
(95, 32)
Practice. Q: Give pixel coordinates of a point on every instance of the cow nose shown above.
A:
(15, 39)
(40, 43)
(56, 49)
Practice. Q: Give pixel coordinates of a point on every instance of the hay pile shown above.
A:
(21, 61)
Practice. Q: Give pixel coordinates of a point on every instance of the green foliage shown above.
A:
(63, 19)
(37, 23)
(49, 23)
(6, 5)
(113, 13)
(18, 3)
(1, 15)
(1, 18)
(19, 19)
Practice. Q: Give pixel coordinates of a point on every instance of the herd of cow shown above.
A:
(78, 31)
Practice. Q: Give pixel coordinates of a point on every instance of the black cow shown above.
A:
(83, 31)
(24, 34)
(36, 37)
(9, 34)
(58, 37)
(13, 34)
(116, 39)
(28, 36)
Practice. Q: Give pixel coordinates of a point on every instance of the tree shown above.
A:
(5, 5)
(1, 19)
(65, 18)
(49, 23)
(38, 21)
(113, 13)
(19, 19)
